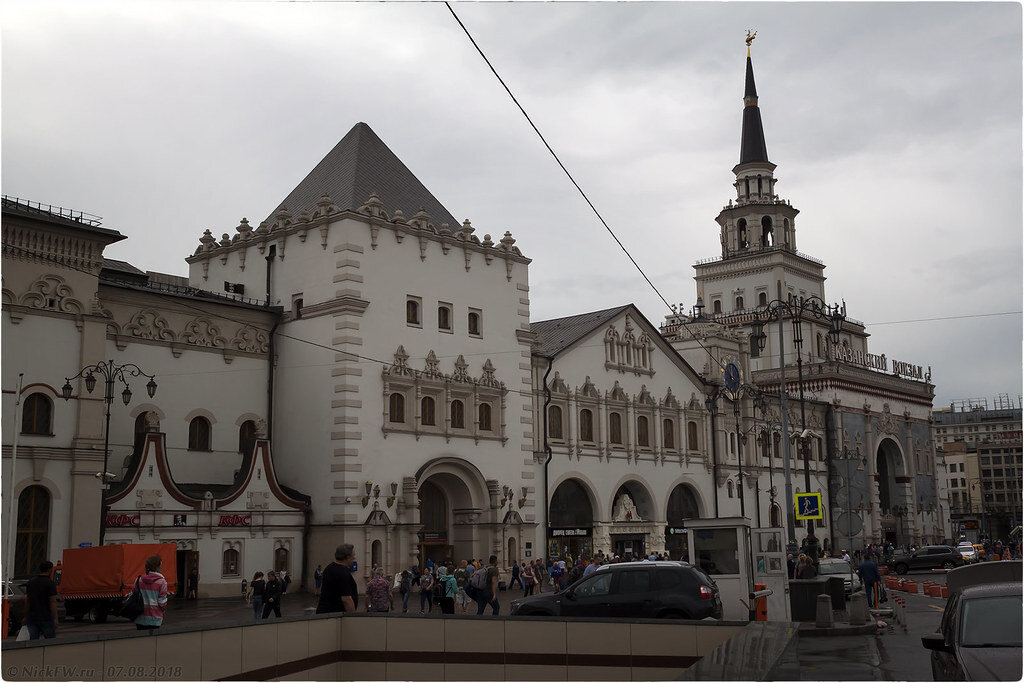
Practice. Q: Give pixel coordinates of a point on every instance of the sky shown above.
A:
(896, 129)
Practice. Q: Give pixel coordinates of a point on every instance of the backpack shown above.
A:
(439, 589)
(134, 605)
(479, 579)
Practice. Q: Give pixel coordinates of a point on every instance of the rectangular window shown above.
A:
(414, 311)
(444, 317)
(474, 323)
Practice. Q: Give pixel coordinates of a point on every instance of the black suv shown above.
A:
(641, 590)
(928, 557)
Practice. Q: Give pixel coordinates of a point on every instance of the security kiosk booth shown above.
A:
(721, 548)
(769, 565)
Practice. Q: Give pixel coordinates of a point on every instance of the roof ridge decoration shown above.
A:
(588, 389)
(558, 384)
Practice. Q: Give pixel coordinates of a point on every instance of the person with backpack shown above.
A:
(426, 590)
(446, 589)
(485, 585)
(404, 588)
(461, 580)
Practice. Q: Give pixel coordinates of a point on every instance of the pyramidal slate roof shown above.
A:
(554, 336)
(361, 165)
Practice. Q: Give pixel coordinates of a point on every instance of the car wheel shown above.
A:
(901, 568)
(97, 615)
(948, 565)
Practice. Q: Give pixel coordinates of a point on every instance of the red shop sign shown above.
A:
(122, 520)
(235, 520)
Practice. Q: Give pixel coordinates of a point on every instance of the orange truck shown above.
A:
(93, 582)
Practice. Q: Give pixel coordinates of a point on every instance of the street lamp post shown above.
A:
(111, 374)
(798, 308)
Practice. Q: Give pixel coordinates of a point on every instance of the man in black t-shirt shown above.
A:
(339, 592)
(41, 611)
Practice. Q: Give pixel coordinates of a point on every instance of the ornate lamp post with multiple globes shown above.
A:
(798, 309)
(111, 373)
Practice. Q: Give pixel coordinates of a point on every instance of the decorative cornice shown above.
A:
(341, 305)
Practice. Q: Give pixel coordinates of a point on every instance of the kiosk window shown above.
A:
(716, 551)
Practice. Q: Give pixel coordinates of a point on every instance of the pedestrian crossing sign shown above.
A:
(808, 506)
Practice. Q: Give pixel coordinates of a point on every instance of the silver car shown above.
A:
(835, 567)
(969, 552)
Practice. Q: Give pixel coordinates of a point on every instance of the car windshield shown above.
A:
(992, 622)
(834, 568)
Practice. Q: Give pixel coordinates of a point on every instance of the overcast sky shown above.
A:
(896, 129)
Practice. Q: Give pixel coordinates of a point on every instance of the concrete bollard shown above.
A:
(824, 612)
(858, 609)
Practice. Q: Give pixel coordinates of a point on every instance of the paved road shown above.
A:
(894, 653)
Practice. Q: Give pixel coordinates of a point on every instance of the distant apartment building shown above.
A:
(981, 447)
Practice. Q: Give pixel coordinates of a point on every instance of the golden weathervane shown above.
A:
(750, 38)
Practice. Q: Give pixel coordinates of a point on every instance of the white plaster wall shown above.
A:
(199, 379)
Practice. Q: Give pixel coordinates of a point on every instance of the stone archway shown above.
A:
(683, 503)
(570, 531)
(889, 465)
(453, 503)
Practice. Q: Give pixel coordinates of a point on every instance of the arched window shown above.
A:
(586, 425)
(199, 434)
(615, 428)
(668, 433)
(412, 312)
(247, 437)
(767, 236)
(484, 415)
(691, 436)
(741, 228)
(30, 545)
(458, 415)
(739, 303)
(570, 506)
(281, 558)
(643, 437)
(775, 516)
(376, 554)
(37, 415)
(762, 299)
(554, 422)
(473, 323)
(716, 306)
(730, 488)
(428, 411)
(396, 407)
(444, 318)
(230, 566)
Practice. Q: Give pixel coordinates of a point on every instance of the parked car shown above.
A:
(928, 557)
(979, 638)
(839, 567)
(968, 550)
(642, 590)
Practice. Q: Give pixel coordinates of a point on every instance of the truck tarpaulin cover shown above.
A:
(111, 569)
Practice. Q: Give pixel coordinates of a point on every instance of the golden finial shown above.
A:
(750, 38)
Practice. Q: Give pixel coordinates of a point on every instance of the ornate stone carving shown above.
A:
(148, 324)
(51, 292)
(203, 332)
(251, 340)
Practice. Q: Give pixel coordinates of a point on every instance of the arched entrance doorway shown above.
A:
(682, 505)
(571, 525)
(891, 496)
(32, 539)
(435, 533)
(632, 515)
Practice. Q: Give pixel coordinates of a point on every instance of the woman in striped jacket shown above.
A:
(154, 596)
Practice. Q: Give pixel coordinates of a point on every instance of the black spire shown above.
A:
(752, 147)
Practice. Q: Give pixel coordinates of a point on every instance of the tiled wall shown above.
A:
(378, 647)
